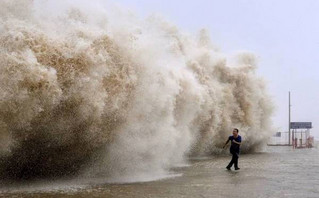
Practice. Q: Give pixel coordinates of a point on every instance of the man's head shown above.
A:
(235, 132)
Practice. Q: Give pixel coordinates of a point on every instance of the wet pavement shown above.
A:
(277, 172)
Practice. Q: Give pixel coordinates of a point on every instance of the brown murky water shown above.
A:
(277, 172)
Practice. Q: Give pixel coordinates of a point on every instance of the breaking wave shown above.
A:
(87, 87)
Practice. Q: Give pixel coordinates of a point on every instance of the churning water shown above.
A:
(89, 89)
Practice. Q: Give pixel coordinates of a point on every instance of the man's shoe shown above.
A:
(228, 168)
(237, 168)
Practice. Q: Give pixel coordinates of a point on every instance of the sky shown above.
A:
(283, 34)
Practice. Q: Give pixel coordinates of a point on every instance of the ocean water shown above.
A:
(110, 105)
(276, 172)
(89, 89)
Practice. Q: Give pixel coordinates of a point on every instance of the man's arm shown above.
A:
(239, 143)
(226, 143)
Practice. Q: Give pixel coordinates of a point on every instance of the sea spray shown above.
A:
(87, 87)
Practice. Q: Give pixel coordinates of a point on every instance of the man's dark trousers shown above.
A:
(234, 159)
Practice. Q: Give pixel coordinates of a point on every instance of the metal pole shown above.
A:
(289, 121)
(293, 138)
(301, 140)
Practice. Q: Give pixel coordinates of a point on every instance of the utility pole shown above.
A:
(289, 121)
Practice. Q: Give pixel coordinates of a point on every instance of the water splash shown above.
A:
(87, 87)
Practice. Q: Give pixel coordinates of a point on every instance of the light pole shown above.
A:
(289, 120)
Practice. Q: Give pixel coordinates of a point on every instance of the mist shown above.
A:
(88, 88)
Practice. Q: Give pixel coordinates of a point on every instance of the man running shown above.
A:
(234, 149)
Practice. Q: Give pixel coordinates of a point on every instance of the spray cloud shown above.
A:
(86, 84)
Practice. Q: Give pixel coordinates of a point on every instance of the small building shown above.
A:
(300, 136)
